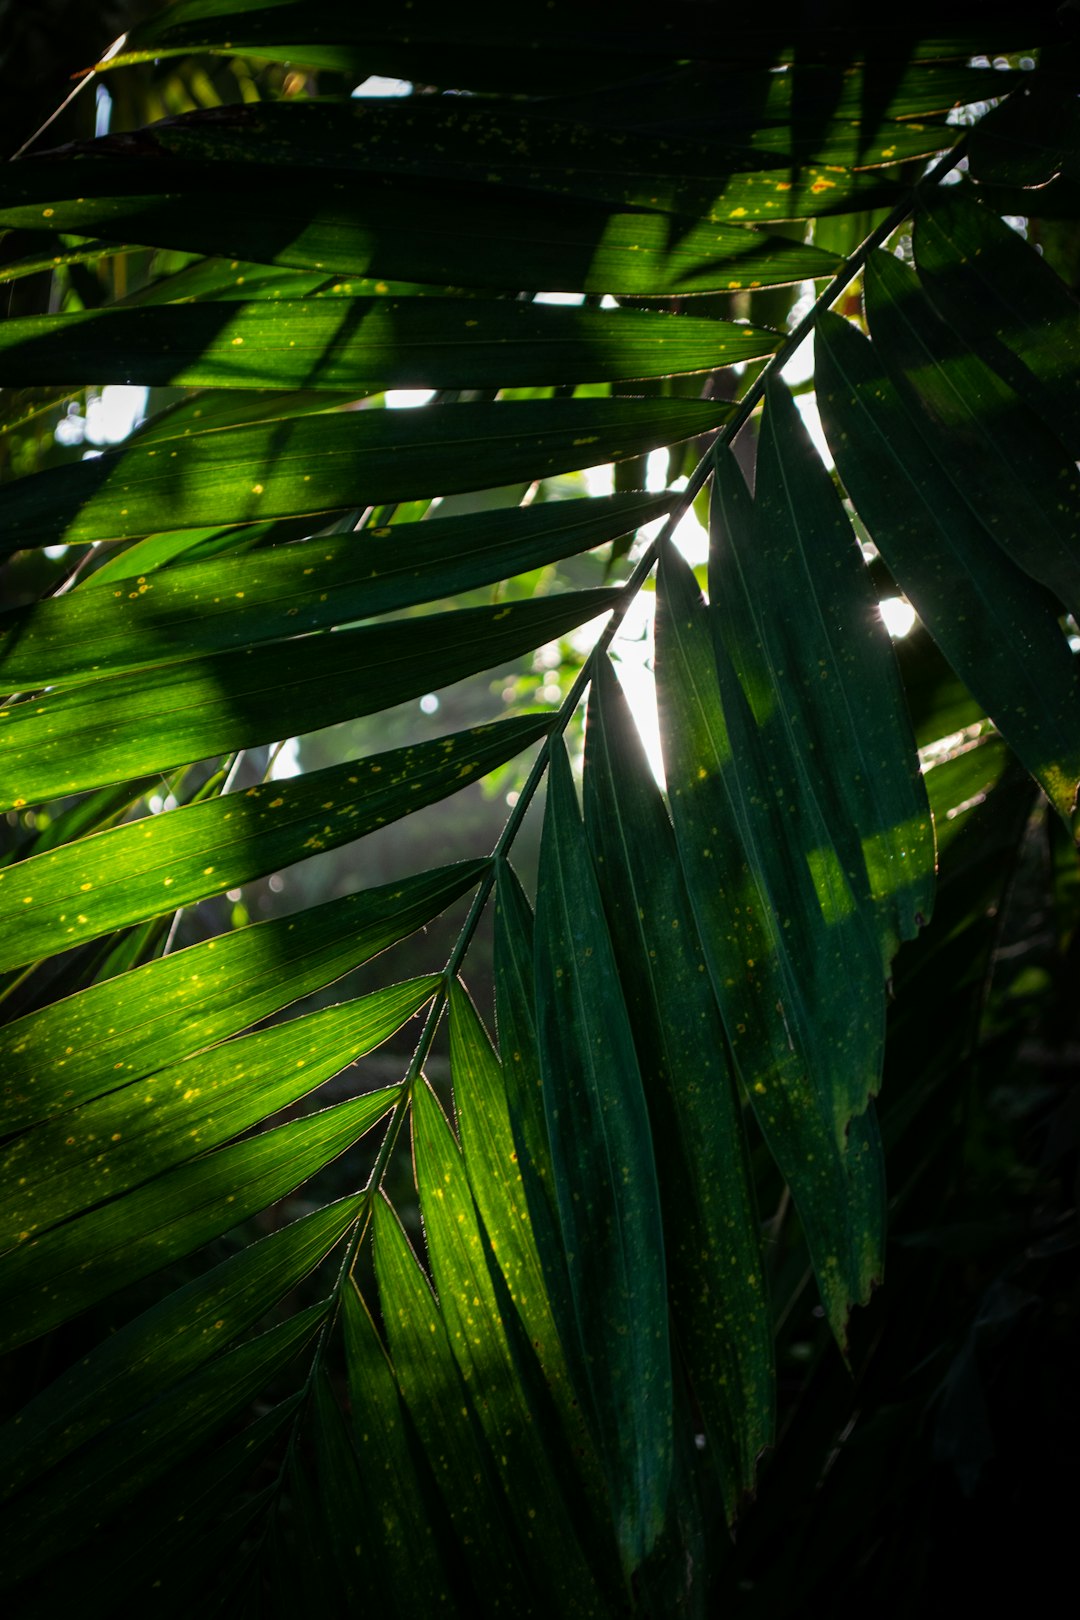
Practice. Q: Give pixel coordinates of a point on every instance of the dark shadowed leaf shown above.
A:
(605, 1175)
(712, 1236)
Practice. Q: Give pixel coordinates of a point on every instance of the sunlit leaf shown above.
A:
(149, 867)
(131, 1026)
(83, 736)
(49, 1279)
(321, 464)
(382, 342)
(754, 891)
(289, 590)
(97, 1152)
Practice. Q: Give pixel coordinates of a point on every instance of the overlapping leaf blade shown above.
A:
(124, 1139)
(523, 1081)
(149, 867)
(306, 464)
(605, 1176)
(131, 1026)
(166, 1343)
(115, 1467)
(355, 226)
(796, 612)
(535, 1484)
(745, 873)
(492, 1163)
(497, 143)
(83, 736)
(49, 1279)
(126, 616)
(997, 628)
(1010, 305)
(408, 1546)
(712, 1237)
(357, 344)
(1006, 464)
(431, 1386)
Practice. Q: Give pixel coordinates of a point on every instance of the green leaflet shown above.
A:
(47, 1280)
(313, 464)
(128, 1027)
(74, 251)
(354, 225)
(1017, 314)
(215, 408)
(142, 1130)
(520, 1060)
(439, 1406)
(166, 1343)
(492, 1164)
(995, 625)
(180, 548)
(95, 812)
(351, 1532)
(115, 1467)
(747, 870)
(798, 616)
(127, 616)
(389, 1472)
(498, 1385)
(148, 867)
(1018, 479)
(612, 46)
(714, 1257)
(84, 736)
(808, 111)
(605, 1176)
(347, 343)
(499, 143)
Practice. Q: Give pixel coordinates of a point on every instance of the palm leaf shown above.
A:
(560, 1328)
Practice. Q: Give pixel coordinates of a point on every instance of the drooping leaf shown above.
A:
(1021, 484)
(712, 1239)
(436, 1398)
(398, 1505)
(798, 616)
(520, 1059)
(752, 886)
(183, 1533)
(166, 1343)
(534, 1484)
(996, 627)
(115, 1467)
(1008, 302)
(492, 1164)
(605, 1176)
